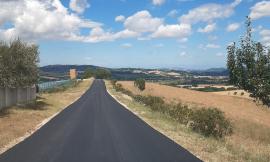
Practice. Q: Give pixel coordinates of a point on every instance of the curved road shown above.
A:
(97, 128)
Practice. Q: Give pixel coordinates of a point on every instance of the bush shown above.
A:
(211, 122)
(234, 93)
(231, 88)
(140, 83)
(180, 113)
(242, 93)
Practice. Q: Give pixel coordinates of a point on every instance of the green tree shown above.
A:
(18, 64)
(249, 66)
(231, 63)
(88, 73)
(140, 83)
(102, 74)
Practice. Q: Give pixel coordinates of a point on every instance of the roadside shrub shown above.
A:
(113, 82)
(234, 93)
(211, 122)
(181, 113)
(242, 93)
(140, 83)
(210, 89)
(231, 88)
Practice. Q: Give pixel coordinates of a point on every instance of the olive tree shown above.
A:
(18, 64)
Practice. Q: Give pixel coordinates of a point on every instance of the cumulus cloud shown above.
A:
(265, 34)
(158, 2)
(120, 18)
(177, 31)
(232, 27)
(142, 21)
(260, 9)
(184, 53)
(208, 28)
(78, 5)
(57, 22)
(209, 12)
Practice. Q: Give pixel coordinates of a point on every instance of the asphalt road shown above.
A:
(97, 128)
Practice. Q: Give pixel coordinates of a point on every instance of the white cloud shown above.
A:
(260, 9)
(120, 18)
(158, 2)
(265, 34)
(208, 28)
(212, 46)
(209, 12)
(172, 13)
(78, 6)
(126, 45)
(183, 54)
(57, 22)
(177, 31)
(232, 27)
(142, 21)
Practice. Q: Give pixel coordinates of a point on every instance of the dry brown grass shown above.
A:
(16, 121)
(249, 142)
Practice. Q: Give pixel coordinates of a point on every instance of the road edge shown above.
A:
(36, 128)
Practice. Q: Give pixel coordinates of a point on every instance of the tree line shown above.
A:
(249, 66)
(96, 73)
(18, 64)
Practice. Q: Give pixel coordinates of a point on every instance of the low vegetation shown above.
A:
(209, 122)
(96, 73)
(210, 89)
(140, 83)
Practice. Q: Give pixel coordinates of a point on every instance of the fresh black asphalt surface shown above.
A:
(97, 128)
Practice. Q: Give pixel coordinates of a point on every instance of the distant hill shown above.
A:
(66, 68)
(211, 72)
(58, 72)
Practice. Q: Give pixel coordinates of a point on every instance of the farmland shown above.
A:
(250, 120)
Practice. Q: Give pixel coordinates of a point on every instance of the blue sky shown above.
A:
(190, 34)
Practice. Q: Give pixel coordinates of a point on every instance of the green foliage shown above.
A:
(211, 122)
(18, 64)
(97, 73)
(102, 74)
(249, 66)
(210, 89)
(88, 73)
(140, 83)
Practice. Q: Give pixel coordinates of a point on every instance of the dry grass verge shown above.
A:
(20, 121)
(250, 141)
